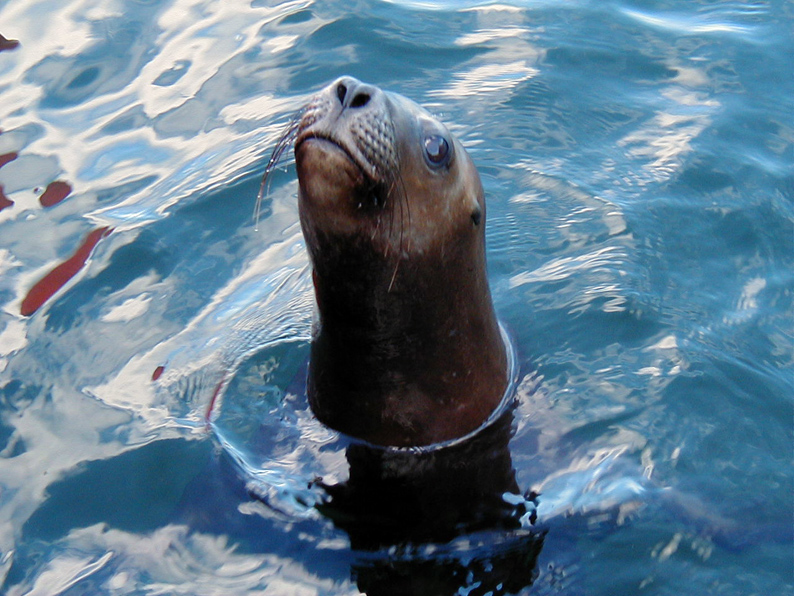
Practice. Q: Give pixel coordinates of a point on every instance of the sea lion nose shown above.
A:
(352, 93)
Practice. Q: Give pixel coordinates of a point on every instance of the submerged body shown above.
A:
(408, 350)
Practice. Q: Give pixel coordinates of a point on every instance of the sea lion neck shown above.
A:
(407, 351)
(388, 399)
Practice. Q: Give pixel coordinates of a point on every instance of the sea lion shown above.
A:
(408, 351)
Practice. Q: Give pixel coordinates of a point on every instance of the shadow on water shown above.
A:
(436, 521)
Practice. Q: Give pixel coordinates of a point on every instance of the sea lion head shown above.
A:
(373, 164)
(392, 209)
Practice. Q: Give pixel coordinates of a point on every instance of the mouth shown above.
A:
(312, 137)
(367, 192)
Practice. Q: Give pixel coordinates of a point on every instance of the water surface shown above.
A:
(638, 164)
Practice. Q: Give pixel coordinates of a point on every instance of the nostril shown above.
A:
(352, 93)
(360, 100)
(341, 91)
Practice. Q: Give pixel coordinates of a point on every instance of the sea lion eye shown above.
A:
(436, 150)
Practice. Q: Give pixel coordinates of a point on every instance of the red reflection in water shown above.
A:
(57, 278)
(8, 44)
(6, 157)
(4, 200)
(215, 394)
(157, 372)
(55, 193)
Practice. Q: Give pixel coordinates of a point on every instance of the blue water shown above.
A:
(638, 163)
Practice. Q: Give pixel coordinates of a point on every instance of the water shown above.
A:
(638, 163)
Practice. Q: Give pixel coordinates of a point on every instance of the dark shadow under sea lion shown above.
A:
(443, 521)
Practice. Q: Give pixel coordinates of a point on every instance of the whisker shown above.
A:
(405, 209)
(393, 276)
(283, 144)
(403, 213)
(389, 184)
(392, 188)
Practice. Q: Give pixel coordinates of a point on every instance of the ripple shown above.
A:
(566, 267)
(687, 24)
(637, 162)
(172, 560)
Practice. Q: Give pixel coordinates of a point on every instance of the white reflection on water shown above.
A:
(274, 288)
(565, 267)
(665, 139)
(688, 24)
(124, 118)
(488, 79)
(510, 60)
(171, 560)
